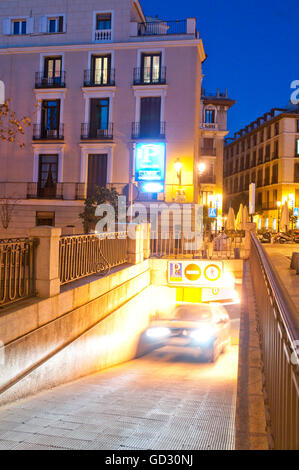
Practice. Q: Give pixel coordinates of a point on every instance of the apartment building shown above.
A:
(114, 98)
(265, 153)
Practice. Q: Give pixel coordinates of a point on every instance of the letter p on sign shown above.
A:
(2, 93)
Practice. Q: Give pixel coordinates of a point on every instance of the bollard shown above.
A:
(297, 265)
(295, 256)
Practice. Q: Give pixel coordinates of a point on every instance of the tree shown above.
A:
(102, 195)
(11, 127)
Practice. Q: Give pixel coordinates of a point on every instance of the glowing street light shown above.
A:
(201, 168)
(178, 168)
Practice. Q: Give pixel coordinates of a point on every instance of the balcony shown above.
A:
(88, 132)
(209, 126)
(39, 133)
(103, 35)
(149, 76)
(49, 82)
(102, 79)
(148, 131)
(208, 152)
(162, 28)
(65, 191)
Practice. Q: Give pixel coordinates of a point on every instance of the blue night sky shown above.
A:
(252, 48)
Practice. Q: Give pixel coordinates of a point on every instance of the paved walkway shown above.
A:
(280, 256)
(161, 401)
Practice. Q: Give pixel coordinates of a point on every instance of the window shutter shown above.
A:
(30, 25)
(61, 24)
(6, 26)
(43, 22)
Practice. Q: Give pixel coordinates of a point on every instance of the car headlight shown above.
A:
(204, 334)
(158, 333)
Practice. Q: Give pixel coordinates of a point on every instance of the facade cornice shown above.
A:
(107, 45)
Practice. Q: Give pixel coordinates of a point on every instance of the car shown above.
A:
(205, 328)
(296, 236)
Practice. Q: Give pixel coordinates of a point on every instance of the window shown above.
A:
(45, 218)
(261, 155)
(254, 159)
(50, 118)
(297, 147)
(276, 128)
(255, 139)
(269, 132)
(275, 198)
(99, 117)
(97, 173)
(47, 177)
(253, 177)
(267, 176)
(53, 70)
(150, 117)
(267, 153)
(151, 68)
(298, 125)
(260, 178)
(262, 135)
(274, 174)
(103, 21)
(276, 151)
(55, 25)
(210, 116)
(19, 27)
(259, 200)
(101, 70)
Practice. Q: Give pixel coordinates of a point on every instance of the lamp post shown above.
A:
(278, 214)
(178, 168)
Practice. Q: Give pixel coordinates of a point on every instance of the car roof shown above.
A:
(198, 312)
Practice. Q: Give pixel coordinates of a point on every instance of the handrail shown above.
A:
(287, 308)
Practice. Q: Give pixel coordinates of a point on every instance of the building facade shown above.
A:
(265, 153)
(115, 100)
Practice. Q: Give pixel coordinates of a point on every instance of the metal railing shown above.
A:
(205, 245)
(149, 76)
(83, 255)
(42, 81)
(40, 133)
(279, 330)
(148, 130)
(104, 77)
(89, 132)
(16, 270)
(161, 28)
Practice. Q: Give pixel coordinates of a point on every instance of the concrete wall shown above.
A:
(76, 333)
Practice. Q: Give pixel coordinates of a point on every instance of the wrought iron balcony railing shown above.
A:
(161, 28)
(148, 130)
(149, 76)
(94, 78)
(40, 133)
(89, 132)
(42, 81)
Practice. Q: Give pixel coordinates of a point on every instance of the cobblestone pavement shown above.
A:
(162, 401)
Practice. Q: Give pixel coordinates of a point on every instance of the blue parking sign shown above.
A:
(212, 213)
(296, 211)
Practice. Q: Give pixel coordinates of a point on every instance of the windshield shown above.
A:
(193, 313)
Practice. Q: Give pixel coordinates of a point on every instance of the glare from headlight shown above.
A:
(204, 334)
(158, 333)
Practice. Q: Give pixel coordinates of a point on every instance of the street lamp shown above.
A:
(178, 168)
(278, 203)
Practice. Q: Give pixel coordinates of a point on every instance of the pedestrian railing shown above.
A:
(210, 245)
(279, 335)
(83, 255)
(16, 270)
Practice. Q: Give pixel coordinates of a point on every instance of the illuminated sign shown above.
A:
(212, 213)
(296, 211)
(199, 274)
(151, 187)
(150, 163)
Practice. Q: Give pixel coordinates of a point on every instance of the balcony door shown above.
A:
(97, 173)
(47, 177)
(50, 118)
(53, 69)
(99, 117)
(101, 69)
(150, 117)
(151, 68)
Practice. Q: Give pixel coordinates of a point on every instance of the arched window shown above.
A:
(210, 115)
